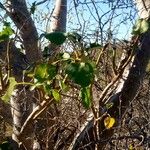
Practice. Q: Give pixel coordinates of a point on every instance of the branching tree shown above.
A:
(38, 82)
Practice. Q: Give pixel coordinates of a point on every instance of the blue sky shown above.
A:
(120, 24)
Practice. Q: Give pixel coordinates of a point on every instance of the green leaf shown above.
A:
(131, 147)
(45, 71)
(12, 84)
(63, 86)
(85, 95)
(81, 73)
(57, 38)
(56, 95)
(40, 72)
(6, 32)
(47, 88)
(36, 85)
(51, 71)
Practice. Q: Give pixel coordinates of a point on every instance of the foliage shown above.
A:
(79, 70)
(57, 38)
(12, 84)
(81, 73)
(109, 122)
(85, 95)
(6, 32)
(141, 26)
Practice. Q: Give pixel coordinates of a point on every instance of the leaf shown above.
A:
(66, 56)
(57, 38)
(141, 26)
(109, 122)
(63, 86)
(12, 84)
(81, 73)
(36, 85)
(51, 71)
(56, 95)
(47, 88)
(144, 26)
(131, 147)
(85, 97)
(40, 72)
(6, 32)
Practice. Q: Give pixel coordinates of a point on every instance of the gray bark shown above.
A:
(22, 99)
(23, 21)
(59, 16)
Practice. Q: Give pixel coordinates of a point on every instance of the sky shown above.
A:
(87, 20)
(121, 24)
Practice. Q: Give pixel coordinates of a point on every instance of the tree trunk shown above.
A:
(22, 99)
(143, 7)
(59, 16)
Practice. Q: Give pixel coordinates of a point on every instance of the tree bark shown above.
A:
(59, 16)
(22, 98)
(143, 8)
(21, 17)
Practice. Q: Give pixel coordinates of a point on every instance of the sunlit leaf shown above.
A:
(36, 85)
(136, 27)
(40, 72)
(145, 26)
(109, 122)
(57, 38)
(56, 95)
(141, 26)
(8, 94)
(131, 147)
(63, 86)
(66, 56)
(6, 32)
(85, 97)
